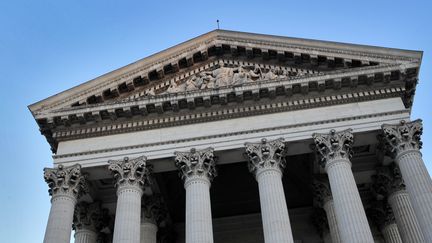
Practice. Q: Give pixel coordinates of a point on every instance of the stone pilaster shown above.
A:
(383, 217)
(197, 169)
(324, 200)
(152, 215)
(65, 184)
(87, 222)
(388, 184)
(403, 143)
(335, 151)
(131, 175)
(266, 162)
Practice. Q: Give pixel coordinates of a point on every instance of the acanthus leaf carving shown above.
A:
(402, 137)
(65, 180)
(322, 191)
(196, 163)
(266, 154)
(334, 145)
(88, 216)
(131, 172)
(387, 180)
(153, 210)
(381, 213)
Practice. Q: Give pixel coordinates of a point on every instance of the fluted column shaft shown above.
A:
(419, 186)
(131, 175)
(391, 234)
(331, 218)
(406, 220)
(66, 184)
(128, 215)
(197, 169)
(349, 210)
(60, 219)
(199, 228)
(148, 232)
(85, 236)
(274, 211)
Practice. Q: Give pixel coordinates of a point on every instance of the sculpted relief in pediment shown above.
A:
(224, 74)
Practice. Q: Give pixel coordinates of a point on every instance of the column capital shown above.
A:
(387, 180)
(87, 216)
(322, 192)
(153, 210)
(334, 145)
(402, 137)
(266, 155)
(65, 180)
(130, 172)
(196, 164)
(381, 214)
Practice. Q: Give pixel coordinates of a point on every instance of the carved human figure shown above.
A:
(66, 184)
(223, 76)
(131, 176)
(266, 162)
(335, 151)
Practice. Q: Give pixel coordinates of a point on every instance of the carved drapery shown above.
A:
(402, 137)
(196, 163)
(65, 180)
(266, 154)
(229, 75)
(130, 172)
(335, 145)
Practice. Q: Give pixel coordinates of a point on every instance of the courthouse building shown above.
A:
(240, 137)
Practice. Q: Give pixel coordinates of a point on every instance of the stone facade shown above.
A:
(239, 137)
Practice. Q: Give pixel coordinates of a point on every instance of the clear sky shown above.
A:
(48, 46)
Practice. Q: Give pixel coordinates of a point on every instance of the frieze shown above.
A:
(223, 135)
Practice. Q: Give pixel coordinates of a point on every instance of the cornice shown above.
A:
(224, 91)
(223, 112)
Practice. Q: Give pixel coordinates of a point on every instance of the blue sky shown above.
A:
(48, 46)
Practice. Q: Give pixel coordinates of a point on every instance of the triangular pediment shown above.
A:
(222, 67)
(263, 57)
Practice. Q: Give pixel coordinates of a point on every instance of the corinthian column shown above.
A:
(388, 183)
(152, 215)
(324, 200)
(131, 176)
(382, 215)
(403, 143)
(197, 169)
(66, 184)
(87, 222)
(266, 162)
(335, 150)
